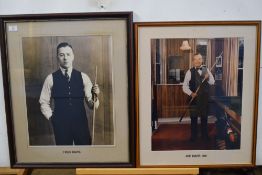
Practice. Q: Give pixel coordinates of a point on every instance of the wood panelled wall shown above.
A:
(170, 101)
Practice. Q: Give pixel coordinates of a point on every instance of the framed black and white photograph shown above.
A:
(68, 82)
(219, 58)
(197, 93)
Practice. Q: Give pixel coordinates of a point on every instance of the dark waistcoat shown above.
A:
(197, 79)
(68, 96)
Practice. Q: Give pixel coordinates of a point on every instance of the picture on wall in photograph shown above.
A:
(196, 93)
(66, 81)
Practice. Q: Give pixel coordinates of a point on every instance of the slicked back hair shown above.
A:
(63, 44)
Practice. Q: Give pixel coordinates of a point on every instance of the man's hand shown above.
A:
(206, 76)
(95, 89)
(193, 95)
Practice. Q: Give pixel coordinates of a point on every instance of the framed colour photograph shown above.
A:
(197, 93)
(68, 83)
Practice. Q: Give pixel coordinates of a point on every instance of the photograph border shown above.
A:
(140, 25)
(128, 18)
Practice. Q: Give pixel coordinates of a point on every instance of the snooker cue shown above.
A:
(197, 91)
(94, 112)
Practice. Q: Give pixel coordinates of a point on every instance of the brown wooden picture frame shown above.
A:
(162, 140)
(117, 28)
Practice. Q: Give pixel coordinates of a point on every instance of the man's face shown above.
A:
(65, 57)
(197, 60)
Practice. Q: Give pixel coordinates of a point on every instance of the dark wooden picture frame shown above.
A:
(124, 60)
(158, 42)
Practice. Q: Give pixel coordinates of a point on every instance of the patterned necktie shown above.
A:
(66, 75)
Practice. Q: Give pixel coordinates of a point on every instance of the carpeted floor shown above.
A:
(176, 137)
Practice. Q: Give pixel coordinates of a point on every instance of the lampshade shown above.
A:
(185, 45)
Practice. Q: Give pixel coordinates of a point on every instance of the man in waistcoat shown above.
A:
(198, 76)
(68, 88)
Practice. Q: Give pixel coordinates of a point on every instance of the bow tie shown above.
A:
(200, 68)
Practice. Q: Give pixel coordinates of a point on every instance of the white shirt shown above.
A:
(185, 86)
(45, 96)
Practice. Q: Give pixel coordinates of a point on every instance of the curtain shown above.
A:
(192, 43)
(209, 53)
(230, 66)
(163, 61)
(153, 61)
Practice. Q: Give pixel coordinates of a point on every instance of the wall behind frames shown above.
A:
(144, 10)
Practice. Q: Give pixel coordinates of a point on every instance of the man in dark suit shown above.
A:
(68, 88)
(198, 76)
